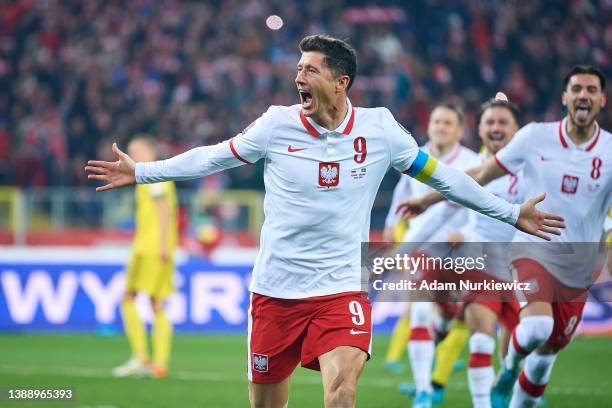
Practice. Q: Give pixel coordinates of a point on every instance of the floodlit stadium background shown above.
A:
(77, 75)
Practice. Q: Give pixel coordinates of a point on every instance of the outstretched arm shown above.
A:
(459, 187)
(483, 175)
(246, 148)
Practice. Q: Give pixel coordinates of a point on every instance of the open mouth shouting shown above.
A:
(306, 100)
(496, 136)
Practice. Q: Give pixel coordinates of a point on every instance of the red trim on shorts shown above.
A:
(504, 168)
(235, 153)
(534, 390)
(478, 360)
(519, 349)
(419, 333)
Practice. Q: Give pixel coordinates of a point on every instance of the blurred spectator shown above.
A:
(76, 75)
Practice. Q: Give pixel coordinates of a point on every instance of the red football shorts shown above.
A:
(501, 302)
(567, 302)
(285, 332)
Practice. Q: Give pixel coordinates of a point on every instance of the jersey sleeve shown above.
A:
(403, 147)
(246, 148)
(401, 192)
(512, 157)
(457, 186)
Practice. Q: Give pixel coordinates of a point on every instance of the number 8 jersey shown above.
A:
(577, 181)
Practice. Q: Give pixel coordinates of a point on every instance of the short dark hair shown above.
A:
(496, 103)
(586, 69)
(455, 108)
(340, 57)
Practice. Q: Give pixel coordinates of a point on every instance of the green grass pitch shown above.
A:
(209, 371)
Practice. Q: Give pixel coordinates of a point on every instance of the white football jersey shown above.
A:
(320, 187)
(511, 188)
(431, 225)
(577, 181)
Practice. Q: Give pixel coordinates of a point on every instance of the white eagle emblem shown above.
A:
(260, 362)
(569, 184)
(329, 174)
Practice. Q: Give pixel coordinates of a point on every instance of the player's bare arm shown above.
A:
(115, 174)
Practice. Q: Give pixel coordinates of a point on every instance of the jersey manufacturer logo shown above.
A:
(292, 149)
(569, 185)
(543, 158)
(353, 331)
(260, 362)
(329, 174)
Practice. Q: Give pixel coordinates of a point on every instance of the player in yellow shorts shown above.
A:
(150, 270)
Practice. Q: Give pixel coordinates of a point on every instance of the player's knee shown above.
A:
(157, 304)
(268, 396)
(129, 296)
(537, 329)
(342, 392)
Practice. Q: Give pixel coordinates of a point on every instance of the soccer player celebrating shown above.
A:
(324, 160)
(150, 269)
(569, 160)
(445, 130)
(497, 125)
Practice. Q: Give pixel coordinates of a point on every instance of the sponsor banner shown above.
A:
(81, 289)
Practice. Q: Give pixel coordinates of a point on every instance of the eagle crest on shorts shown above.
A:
(260, 362)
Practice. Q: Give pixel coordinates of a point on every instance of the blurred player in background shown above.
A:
(150, 269)
(570, 161)
(498, 121)
(445, 130)
(324, 161)
(497, 125)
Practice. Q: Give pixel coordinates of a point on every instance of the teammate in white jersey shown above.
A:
(497, 125)
(444, 130)
(570, 161)
(324, 160)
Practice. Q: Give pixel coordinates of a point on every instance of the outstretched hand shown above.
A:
(538, 223)
(411, 207)
(115, 174)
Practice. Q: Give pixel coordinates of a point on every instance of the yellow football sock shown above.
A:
(448, 351)
(162, 340)
(399, 337)
(134, 330)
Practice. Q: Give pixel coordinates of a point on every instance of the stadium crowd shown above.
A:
(76, 75)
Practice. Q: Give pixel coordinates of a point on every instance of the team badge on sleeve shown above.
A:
(260, 362)
(329, 174)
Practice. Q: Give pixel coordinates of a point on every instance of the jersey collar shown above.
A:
(450, 156)
(345, 127)
(565, 140)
